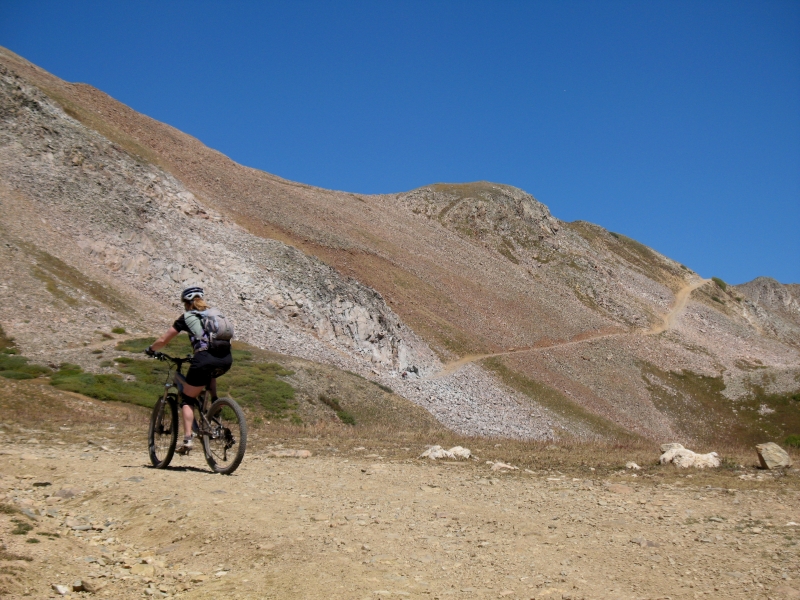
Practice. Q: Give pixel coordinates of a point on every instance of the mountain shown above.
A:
(470, 300)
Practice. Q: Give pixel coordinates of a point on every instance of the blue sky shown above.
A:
(675, 123)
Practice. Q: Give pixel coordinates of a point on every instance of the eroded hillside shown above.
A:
(378, 284)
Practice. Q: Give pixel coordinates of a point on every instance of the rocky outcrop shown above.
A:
(143, 225)
(483, 209)
(772, 456)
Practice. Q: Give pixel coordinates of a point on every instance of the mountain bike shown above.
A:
(220, 424)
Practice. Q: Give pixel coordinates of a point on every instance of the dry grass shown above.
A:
(32, 408)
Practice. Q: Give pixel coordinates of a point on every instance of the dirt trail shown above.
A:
(681, 298)
(358, 527)
(668, 320)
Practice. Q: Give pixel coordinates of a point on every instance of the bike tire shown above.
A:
(225, 447)
(162, 437)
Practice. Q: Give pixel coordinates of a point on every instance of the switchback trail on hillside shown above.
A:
(667, 322)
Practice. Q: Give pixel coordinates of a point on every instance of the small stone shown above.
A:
(501, 466)
(77, 586)
(61, 590)
(289, 453)
(92, 587)
(772, 456)
(632, 465)
(143, 569)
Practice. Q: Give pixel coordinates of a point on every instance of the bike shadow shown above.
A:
(185, 468)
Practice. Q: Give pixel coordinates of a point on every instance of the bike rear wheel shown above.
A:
(225, 443)
(163, 432)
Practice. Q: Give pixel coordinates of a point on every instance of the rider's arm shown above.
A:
(164, 339)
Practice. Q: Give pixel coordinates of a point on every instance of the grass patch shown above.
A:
(59, 276)
(7, 509)
(344, 416)
(717, 299)
(7, 344)
(720, 284)
(700, 409)
(47, 534)
(32, 540)
(385, 388)
(508, 254)
(13, 366)
(250, 382)
(793, 441)
(635, 254)
(20, 527)
(557, 402)
(118, 330)
(6, 555)
(52, 286)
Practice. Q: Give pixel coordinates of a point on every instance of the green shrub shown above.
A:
(385, 388)
(6, 343)
(344, 416)
(793, 441)
(144, 390)
(20, 527)
(717, 299)
(720, 284)
(119, 330)
(16, 367)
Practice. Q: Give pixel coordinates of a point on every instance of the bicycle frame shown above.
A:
(175, 380)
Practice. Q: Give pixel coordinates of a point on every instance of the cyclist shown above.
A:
(207, 363)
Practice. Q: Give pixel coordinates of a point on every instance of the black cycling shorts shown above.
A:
(205, 367)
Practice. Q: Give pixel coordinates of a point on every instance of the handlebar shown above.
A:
(178, 362)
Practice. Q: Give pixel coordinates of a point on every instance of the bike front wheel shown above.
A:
(163, 433)
(226, 440)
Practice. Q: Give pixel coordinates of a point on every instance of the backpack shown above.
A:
(217, 326)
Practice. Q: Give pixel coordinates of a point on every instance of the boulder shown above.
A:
(772, 456)
(684, 458)
(455, 453)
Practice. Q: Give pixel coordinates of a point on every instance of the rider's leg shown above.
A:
(192, 391)
(212, 387)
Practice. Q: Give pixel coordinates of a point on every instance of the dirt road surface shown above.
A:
(681, 298)
(365, 526)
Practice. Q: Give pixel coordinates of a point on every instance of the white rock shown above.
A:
(501, 466)
(61, 590)
(437, 452)
(460, 452)
(684, 458)
(632, 465)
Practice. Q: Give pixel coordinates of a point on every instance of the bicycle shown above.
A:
(221, 424)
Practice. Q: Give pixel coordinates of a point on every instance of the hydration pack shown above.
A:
(216, 326)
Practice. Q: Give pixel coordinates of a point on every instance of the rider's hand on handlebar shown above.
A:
(149, 351)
